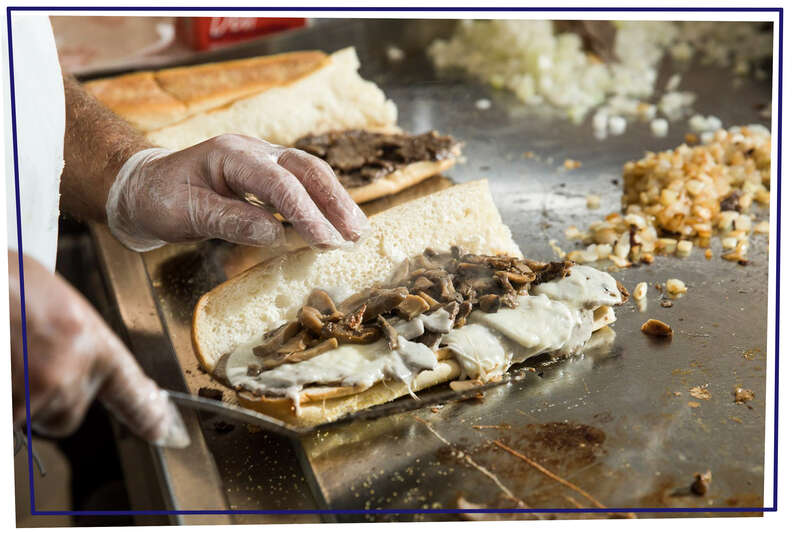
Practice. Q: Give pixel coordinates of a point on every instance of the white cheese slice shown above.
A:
(439, 321)
(416, 354)
(538, 323)
(409, 329)
(479, 351)
(584, 287)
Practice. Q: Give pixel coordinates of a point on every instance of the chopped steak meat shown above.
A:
(359, 157)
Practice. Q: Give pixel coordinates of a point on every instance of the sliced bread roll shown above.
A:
(270, 293)
(267, 295)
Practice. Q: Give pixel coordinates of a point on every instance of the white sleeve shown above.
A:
(40, 124)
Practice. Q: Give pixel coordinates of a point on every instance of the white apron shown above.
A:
(40, 123)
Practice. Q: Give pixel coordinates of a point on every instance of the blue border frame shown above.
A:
(774, 508)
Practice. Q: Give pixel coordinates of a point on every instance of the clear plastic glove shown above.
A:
(196, 193)
(74, 357)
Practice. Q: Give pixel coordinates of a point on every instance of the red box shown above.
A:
(203, 33)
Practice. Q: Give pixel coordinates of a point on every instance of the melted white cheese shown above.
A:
(480, 352)
(557, 318)
(584, 287)
(416, 354)
(409, 329)
(491, 342)
(439, 321)
(347, 365)
(537, 323)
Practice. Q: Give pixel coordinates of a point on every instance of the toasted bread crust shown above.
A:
(139, 99)
(151, 100)
(211, 85)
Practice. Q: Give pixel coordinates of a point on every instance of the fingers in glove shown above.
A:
(319, 180)
(137, 402)
(215, 216)
(286, 194)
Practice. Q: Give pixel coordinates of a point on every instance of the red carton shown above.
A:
(203, 33)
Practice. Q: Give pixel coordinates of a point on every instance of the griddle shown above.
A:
(618, 422)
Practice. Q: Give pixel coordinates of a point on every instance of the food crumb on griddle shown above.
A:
(212, 394)
(676, 286)
(700, 392)
(701, 483)
(665, 302)
(656, 328)
(571, 164)
(639, 293)
(742, 395)
(222, 427)
(694, 405)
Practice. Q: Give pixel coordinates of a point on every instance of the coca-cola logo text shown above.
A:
(220, 26)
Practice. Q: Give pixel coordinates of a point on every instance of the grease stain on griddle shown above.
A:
(579, 443)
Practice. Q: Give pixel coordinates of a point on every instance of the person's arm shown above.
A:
(96, 145)
(150, 197)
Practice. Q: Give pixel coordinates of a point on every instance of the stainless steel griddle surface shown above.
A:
(618, 422)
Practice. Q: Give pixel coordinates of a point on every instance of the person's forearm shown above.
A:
(96, 145)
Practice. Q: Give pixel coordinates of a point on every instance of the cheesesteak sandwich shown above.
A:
(307, 99)
(437, 292)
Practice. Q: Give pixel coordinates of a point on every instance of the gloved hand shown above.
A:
(196, 193)
(73, 357)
